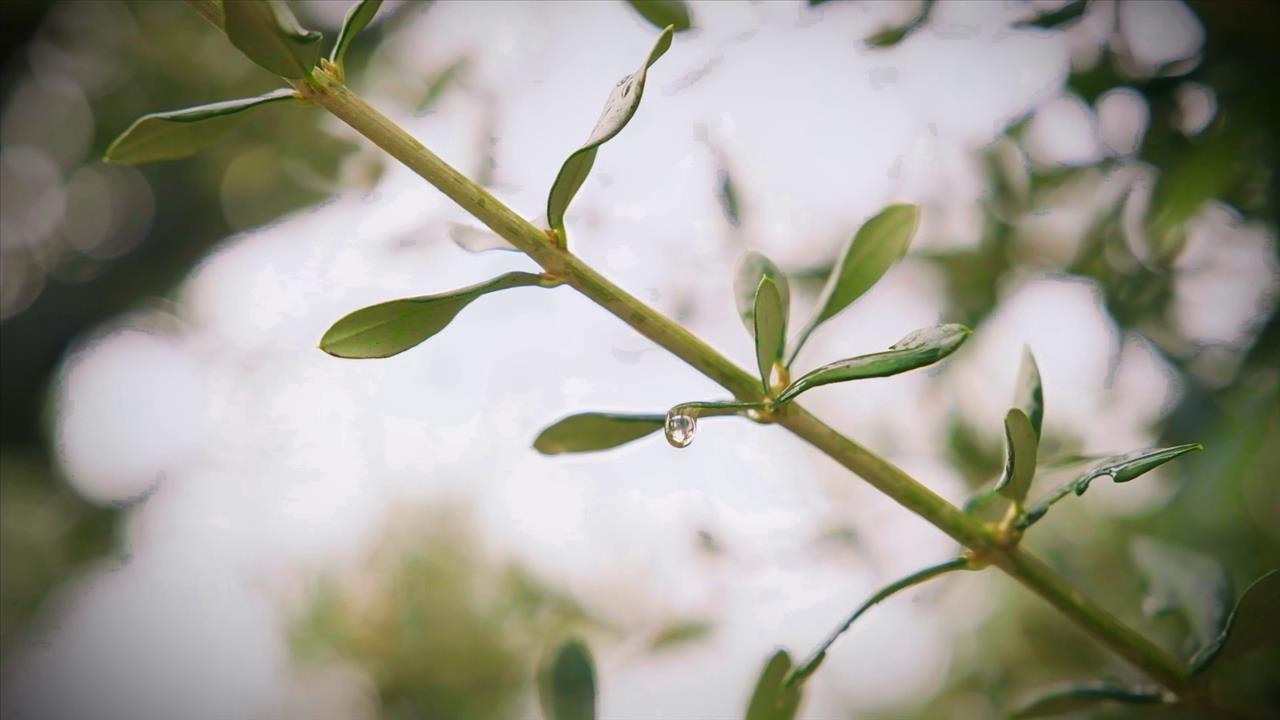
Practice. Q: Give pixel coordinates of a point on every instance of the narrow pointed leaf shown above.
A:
(661, 13)
(388, 328)
(1091, 696)
(268, 34)
(746, 281)
(920, 348)
(680, 633)
(179, 133)
(1186, 582)
(1135, 464)
(880, 243)
(618, 110)
(567, 684)
(1120, 468)
(358, 18)
(1051, 20)
(1028, 394)
(1252, 625)
(771, 309)
(801, 673)
(772, 699)
(892, 36)
(589, 432)
(1019, 456)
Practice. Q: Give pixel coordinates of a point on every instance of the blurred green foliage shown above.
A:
(443, 630)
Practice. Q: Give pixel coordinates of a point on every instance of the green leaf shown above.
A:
(746, 282)
(268, 34)
(922, 347)
(1019, 456)
(880, 243)
(1051, 20)
(389, 328)
(1187, 582)
(680, 633)
(441, 81)
(771, 309)
(1252, 625)
(801, 673)
(772, 700)
(618, 109)
(567, 684)
(358, 18)
(1135, 464)
(1204, 171)
(588, 432)
(179, 133)
(1120, 468)
(892, 36)
(661, 13)
(1090, 696)
(1028, 395)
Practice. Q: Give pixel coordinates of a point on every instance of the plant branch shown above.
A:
(325, 89)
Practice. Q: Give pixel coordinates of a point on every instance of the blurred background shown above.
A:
(203, 516)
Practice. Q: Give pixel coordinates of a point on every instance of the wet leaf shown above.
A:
(389, 328)
(920, 348)
(1252, 625)
(268, 34)
(772, 700)
(1019, 456)
(358, 18)
(618, 110)
(1187, 582)
(1028, 394)
(1091, 696)
(746, 281)
(661, 13)
(589, 432)
(880, 243)
(179, 133)
(771, 308)
(713, 408)
(1120, 468)
(567, 684)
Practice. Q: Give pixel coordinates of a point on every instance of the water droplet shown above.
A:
(680, 428)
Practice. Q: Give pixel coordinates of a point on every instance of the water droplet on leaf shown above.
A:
(680, 428)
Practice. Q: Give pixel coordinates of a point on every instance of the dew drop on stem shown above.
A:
(679, 428)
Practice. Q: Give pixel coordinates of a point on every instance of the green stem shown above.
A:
(326, 90)
(798, 675)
